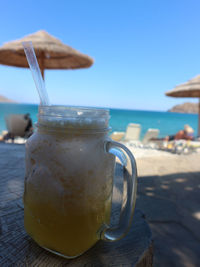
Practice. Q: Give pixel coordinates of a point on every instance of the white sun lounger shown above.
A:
(16, 124)
(132, 133)
(150, 133)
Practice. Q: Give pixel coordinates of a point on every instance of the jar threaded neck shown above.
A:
(73, 118)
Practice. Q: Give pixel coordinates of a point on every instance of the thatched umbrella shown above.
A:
(51, 53)
(189, 89)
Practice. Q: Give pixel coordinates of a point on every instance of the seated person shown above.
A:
(29, 127)
(187, 134)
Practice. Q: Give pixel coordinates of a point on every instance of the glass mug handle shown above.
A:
(126, 215)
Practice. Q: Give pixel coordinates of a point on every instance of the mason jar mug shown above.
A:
(70, 163)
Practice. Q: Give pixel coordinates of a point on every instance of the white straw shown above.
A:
(36, 73)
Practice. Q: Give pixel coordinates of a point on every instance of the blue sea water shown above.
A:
(168, 123)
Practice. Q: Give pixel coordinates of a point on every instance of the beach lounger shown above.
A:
(16, 124)
(151, 133)
(148, 140)
(132, 134)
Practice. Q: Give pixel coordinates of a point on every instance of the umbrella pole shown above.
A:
(42, 64)
(199, 119)
(42, 71)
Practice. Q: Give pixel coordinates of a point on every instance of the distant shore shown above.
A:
(4, 99)
(191, 108)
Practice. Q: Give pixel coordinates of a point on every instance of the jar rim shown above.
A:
(72, 111)
(75, 118)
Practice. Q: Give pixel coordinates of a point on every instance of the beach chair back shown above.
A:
(151, 133)
(132, 132)
(16, 124)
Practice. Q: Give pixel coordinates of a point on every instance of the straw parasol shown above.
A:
(189, 89)
(51, 53)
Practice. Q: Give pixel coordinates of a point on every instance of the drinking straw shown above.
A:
(36, 73)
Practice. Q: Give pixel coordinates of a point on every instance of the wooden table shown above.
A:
(18, 249)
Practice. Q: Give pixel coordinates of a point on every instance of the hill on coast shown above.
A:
(4, 99)
(185, 108)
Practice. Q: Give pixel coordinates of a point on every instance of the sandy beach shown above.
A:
(169, 196)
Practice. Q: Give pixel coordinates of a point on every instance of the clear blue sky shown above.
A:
(141, 48)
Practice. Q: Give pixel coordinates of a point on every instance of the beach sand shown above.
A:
(169, 196)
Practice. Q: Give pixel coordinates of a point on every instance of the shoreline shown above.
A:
(166, 122)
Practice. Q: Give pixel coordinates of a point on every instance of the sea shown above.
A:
(168, 123)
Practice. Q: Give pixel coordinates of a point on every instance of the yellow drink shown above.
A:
(68, 189)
